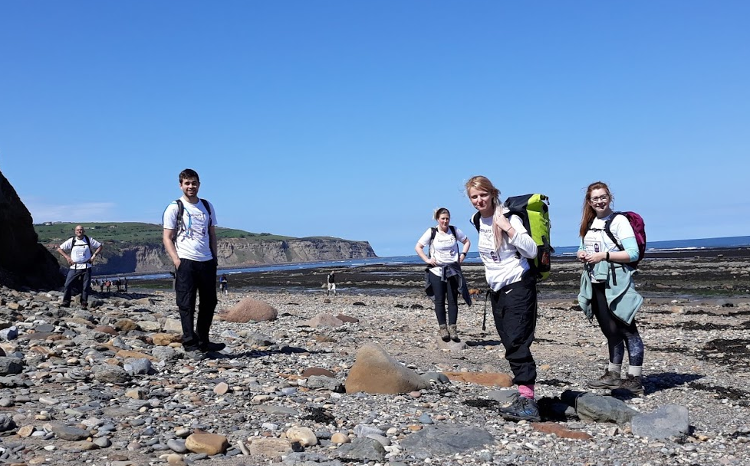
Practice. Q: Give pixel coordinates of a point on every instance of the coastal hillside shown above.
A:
(131, 247)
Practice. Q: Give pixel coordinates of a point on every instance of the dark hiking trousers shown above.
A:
(514, 309)
(618, 333)
(442, 290)
(73, 275)
(196, 278)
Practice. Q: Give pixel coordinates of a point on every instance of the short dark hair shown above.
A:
(189, 173)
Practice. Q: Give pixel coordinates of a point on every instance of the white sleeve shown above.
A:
(522, 241)
(169, 218)
(424, 240)
(94, 244)
(460, 235)
(620, 227)
(67, 245)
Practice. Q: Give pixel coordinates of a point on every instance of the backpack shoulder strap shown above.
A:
(433, 232)
(87, 240)
(453, 230)
(608, 230)
(208, 209)
(180, 224)
(475, 220)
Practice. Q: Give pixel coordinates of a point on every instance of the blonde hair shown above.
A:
(483, 183)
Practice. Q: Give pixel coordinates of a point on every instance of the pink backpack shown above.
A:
(639, 228)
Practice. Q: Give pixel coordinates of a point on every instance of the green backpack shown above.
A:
(533, 210)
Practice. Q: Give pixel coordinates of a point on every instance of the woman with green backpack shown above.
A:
(506, 249)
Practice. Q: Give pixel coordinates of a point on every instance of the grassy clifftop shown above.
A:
(132, 232)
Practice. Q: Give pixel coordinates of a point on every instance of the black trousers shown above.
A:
(196, 278)
(73, 275)
(514, 308)
(442, 290)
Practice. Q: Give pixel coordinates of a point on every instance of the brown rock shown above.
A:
(249, 310)
(26, 431)
(310, 371)
(375, 371)
(164, 339)
(490, 379)
(221, 388)
(272, 448)
(560, 431)
(345, 318)
(124, 354)
(106, 329)
(210, 444)
(325, 320)
(339, 438)
(125, 325)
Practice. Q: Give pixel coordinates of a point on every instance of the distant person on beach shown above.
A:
(125, 284)
(607, 289)
(444, 278)
(223, 284)
(331, 283)
(78, 252)
(190, 241)
(505, 248)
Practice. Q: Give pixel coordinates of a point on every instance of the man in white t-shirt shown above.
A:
(190, 241)
(78, 252)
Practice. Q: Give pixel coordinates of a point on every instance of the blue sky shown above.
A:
(358, 119)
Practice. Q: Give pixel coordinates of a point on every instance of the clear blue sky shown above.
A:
(356, 119)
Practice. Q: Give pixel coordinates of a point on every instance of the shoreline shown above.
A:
(721, 273)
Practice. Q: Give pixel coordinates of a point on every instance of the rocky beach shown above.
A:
(361, 378)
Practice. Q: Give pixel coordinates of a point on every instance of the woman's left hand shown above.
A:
(594, 258)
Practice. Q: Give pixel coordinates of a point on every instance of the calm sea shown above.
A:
(473, 257)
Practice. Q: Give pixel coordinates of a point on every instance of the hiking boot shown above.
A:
(443, 332)
(84, 306)
(211, 346)
(453, 332)
(610, 380)
(633, 384)
(522, 409)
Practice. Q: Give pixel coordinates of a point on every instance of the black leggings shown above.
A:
(617, 332)
(442, 290)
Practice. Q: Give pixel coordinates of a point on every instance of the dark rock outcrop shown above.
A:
(24, 263)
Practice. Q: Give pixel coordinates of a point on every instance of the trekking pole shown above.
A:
(484, 319)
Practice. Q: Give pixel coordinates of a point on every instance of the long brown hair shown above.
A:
(589, 214)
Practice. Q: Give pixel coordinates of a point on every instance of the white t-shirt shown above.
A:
(444, 248)
(597, 239)
(80, 252)
(193, 241)
(503, 266)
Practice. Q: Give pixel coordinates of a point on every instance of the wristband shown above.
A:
(607, 256)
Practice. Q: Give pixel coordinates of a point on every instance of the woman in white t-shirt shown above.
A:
(505, 247)
(444, 275)
(613, 305)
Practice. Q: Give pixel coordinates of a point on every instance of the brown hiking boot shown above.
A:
(633, 383)
(443, 332)
(610, 380)
(453, 332)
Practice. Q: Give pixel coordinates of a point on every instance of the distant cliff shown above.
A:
(233, 252)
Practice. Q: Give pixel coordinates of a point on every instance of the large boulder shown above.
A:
(249, 310)
(24, 263)
(375, 371)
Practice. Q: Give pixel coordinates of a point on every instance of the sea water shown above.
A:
(473, 257)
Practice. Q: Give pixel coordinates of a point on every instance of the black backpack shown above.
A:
(85, 239)
(434, 232)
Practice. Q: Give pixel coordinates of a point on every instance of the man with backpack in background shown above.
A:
(190, 240)
(77, 251)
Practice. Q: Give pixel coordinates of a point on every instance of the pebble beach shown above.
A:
(111, 385)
